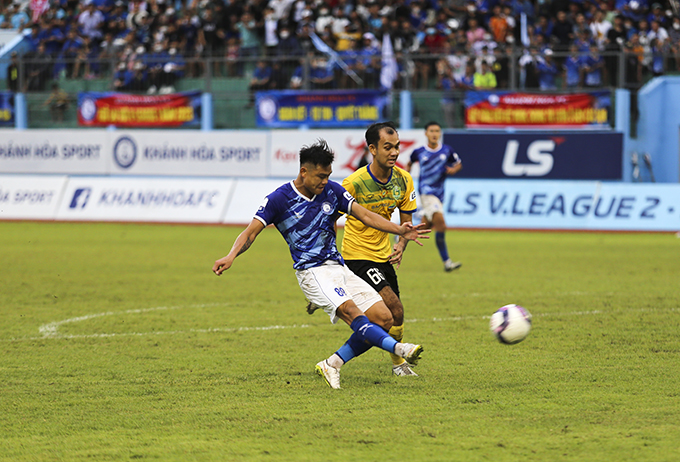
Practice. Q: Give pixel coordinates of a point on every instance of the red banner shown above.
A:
(507, 109)
(38, 7)
(122, 110)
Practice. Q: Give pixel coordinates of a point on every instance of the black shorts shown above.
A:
(378, 275)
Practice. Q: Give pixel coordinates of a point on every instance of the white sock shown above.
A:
(335, 361)
(399, 349)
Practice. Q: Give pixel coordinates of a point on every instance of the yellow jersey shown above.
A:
(361, 242)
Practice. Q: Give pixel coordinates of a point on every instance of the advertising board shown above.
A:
(491, 109)
(144, 199)
(187, 153)
(583, 205)
(30, 197)
(101, 109)
(348, 146)
(53, 151)
(337, 109)
(560, 155)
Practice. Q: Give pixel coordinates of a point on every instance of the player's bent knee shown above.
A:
(348, 311)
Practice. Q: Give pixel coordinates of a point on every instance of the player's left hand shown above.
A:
(413, 233)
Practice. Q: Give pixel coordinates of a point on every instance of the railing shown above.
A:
(432, 79)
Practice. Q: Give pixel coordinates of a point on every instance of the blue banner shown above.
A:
(6, 109)
(560, 155)
(583, 205)
(291, 109)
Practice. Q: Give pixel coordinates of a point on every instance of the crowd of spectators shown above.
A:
(146, 45)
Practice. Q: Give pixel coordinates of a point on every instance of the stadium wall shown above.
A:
(659, 128)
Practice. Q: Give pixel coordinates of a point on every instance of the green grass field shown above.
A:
(119, 343)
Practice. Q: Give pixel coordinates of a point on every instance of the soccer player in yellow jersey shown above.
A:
(380, 187)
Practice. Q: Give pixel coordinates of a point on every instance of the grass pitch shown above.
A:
(119, 343)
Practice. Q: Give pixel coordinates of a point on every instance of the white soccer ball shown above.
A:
(510, 324)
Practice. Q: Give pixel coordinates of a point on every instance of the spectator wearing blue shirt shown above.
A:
(320, 76)
(572, 68)
(547, 71)
(53, 38)
(467, 82)
(261, 80)
(33, 39)
(155, 62)
(544, 27)
(593, 66)
(19, 19)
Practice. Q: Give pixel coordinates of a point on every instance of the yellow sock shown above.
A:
(397, 333)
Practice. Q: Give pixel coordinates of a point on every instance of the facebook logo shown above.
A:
(80, 198)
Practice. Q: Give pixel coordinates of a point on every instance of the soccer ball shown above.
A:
(510, 324)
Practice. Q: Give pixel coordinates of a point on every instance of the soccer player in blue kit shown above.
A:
(304, 211)
(437, 161)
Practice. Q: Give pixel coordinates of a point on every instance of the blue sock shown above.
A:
(441, 245)
(352, 348)
(373, 334)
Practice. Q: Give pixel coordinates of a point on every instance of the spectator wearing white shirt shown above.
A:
(657, 32)
(91, 21)
(271, 25)
(599, 28)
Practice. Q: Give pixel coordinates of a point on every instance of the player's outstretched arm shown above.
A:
(242, 243)
(455, 168)
(406, 230)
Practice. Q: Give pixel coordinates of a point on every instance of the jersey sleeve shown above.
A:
(453, 157)
(414, 156)
(408, 203)
(345, 199)
(269, 210)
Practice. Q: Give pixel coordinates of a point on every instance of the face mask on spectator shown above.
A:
(285, 34)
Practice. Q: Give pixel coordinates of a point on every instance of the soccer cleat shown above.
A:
(451, 265)
(403, 370)
(330, 374)
(412, 353)
(311, 308)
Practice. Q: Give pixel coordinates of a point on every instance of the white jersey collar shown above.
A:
(292, 185)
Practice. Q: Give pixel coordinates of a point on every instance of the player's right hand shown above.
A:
(221, 265)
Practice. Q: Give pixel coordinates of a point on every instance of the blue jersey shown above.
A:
(572, 66)
(433, 165)
(307, 225)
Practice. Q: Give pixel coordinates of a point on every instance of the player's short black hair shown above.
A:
(429, 124)
(317, 154)
(373, 132)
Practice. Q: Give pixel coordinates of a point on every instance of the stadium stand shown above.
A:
(163, 46)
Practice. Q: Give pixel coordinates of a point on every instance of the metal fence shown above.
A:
(434, 79)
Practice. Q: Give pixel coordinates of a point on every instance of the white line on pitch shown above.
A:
(51, 330)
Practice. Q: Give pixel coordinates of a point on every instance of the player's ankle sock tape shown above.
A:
(373, 334)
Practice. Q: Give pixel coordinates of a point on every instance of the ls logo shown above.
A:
(539, 152)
